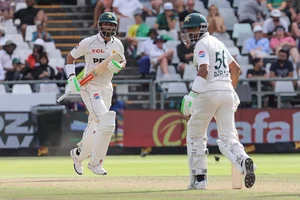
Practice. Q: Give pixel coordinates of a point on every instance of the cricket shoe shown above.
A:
(97, 169)
(248, 168)
(198, 185)
(77, 164)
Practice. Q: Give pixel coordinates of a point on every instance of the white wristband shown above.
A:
(70, 69)
(198, 84)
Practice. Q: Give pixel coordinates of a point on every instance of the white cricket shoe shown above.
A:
(77, 164)
(198, 185)
(97, 169)
(248, 169)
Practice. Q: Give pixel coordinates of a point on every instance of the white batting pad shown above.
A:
(85, 145)
(197, 155)
(102, 137)
(234, 151)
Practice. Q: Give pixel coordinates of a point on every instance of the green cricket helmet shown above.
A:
(107, 24)
(193, 28)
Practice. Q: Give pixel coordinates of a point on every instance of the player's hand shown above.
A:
(114, 66)
(187, 103)
(73, 84)
(236, 101)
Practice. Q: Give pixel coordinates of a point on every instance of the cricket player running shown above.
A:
(97, 94)
(212, 95)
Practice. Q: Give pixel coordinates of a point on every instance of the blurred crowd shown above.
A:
(35, 65)
(152, 36)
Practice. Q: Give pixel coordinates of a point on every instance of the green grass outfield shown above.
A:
(153, 177)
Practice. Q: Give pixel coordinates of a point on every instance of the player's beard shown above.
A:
(190, 38)
(108, 31)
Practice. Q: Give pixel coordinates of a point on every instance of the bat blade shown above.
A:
(237, 178)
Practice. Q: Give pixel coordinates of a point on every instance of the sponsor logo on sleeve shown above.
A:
(201, 54)
(76, 46)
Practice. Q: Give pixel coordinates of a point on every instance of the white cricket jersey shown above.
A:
(95, 50)
(209, 50)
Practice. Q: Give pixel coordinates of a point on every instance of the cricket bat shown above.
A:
(237, 177)
(98, 70)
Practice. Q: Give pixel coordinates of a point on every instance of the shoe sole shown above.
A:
(74, 164)
(97, 173)
(250, 176)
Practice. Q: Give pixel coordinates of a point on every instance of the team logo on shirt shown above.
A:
(96, 96)
(201, 54)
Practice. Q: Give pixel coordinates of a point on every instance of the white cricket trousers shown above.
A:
(217, 104)
(97, 99)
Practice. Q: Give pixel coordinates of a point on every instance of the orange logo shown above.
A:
(170, 130)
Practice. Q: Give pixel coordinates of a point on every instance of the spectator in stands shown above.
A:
(6, 55)
(101, 6)
(295, 27)
(185, 54)
(280, 41)
(5, 10)
(42, 70)
(296, 5)
(271, 23)
(250, 11)
(156, 6)
(20, 71)
(166, 22)
(139, 29)
(126, 8)
(257, 71)
(258, 45)
(282, 67)
(146, 46)
(215, 21)
(160, 56)
(29, 16)
(179, 6)
(276, 4)
(37, 51)
(2, 36)
(189, 9)
(42, 34)
(290, 11)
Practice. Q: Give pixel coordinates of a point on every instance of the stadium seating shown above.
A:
(21, 89)
(49, 88)
(177, 89)
(241, 28)
(285, 86)
(29, 30)
(189, 73)
(2, 89)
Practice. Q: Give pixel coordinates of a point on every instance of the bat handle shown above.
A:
(63, 96)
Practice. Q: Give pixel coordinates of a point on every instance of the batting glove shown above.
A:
(73, 84)
(236, 101)
(187, 103)
(114, 66)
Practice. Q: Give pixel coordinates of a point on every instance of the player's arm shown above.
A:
(79, 50)
(201, 57)
(234, 68)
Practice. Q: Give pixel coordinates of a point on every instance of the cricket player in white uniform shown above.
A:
(212, 95)
(97, 94)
